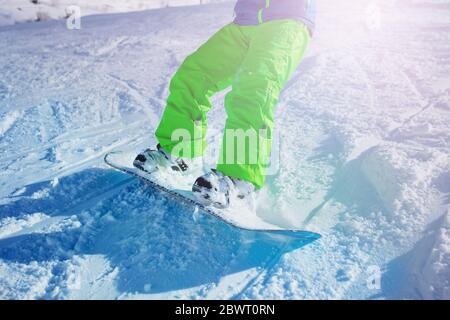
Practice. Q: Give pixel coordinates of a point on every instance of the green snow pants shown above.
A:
(256, 61)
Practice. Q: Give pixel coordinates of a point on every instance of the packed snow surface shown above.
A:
(364, 160)
(15, 11)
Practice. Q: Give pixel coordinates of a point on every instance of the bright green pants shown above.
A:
(256, 61)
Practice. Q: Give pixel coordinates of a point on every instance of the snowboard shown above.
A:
(240, 218)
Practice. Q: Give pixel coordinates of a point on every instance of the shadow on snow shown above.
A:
(153, 242)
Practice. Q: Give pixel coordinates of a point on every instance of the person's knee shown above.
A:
(192, 78)
(254, 101)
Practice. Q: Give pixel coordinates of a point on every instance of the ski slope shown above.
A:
(16, 11)
(364, 127)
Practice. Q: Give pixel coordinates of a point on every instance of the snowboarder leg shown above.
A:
(256, 59)
(208, 70)
(275, 50)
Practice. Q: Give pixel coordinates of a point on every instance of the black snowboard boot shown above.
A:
(219, 190)
(151, 160)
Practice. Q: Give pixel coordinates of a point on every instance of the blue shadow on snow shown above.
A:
(155, 244)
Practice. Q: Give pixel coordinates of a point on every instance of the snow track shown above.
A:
(364, 158)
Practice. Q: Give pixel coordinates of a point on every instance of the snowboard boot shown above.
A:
(219, 190)
(151, 161)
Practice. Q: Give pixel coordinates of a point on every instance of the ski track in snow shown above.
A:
(364, 144)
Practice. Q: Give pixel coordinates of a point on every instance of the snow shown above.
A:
(436, 273)
(15, 11)
(364, 127)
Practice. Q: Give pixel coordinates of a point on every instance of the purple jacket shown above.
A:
(253, 12)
